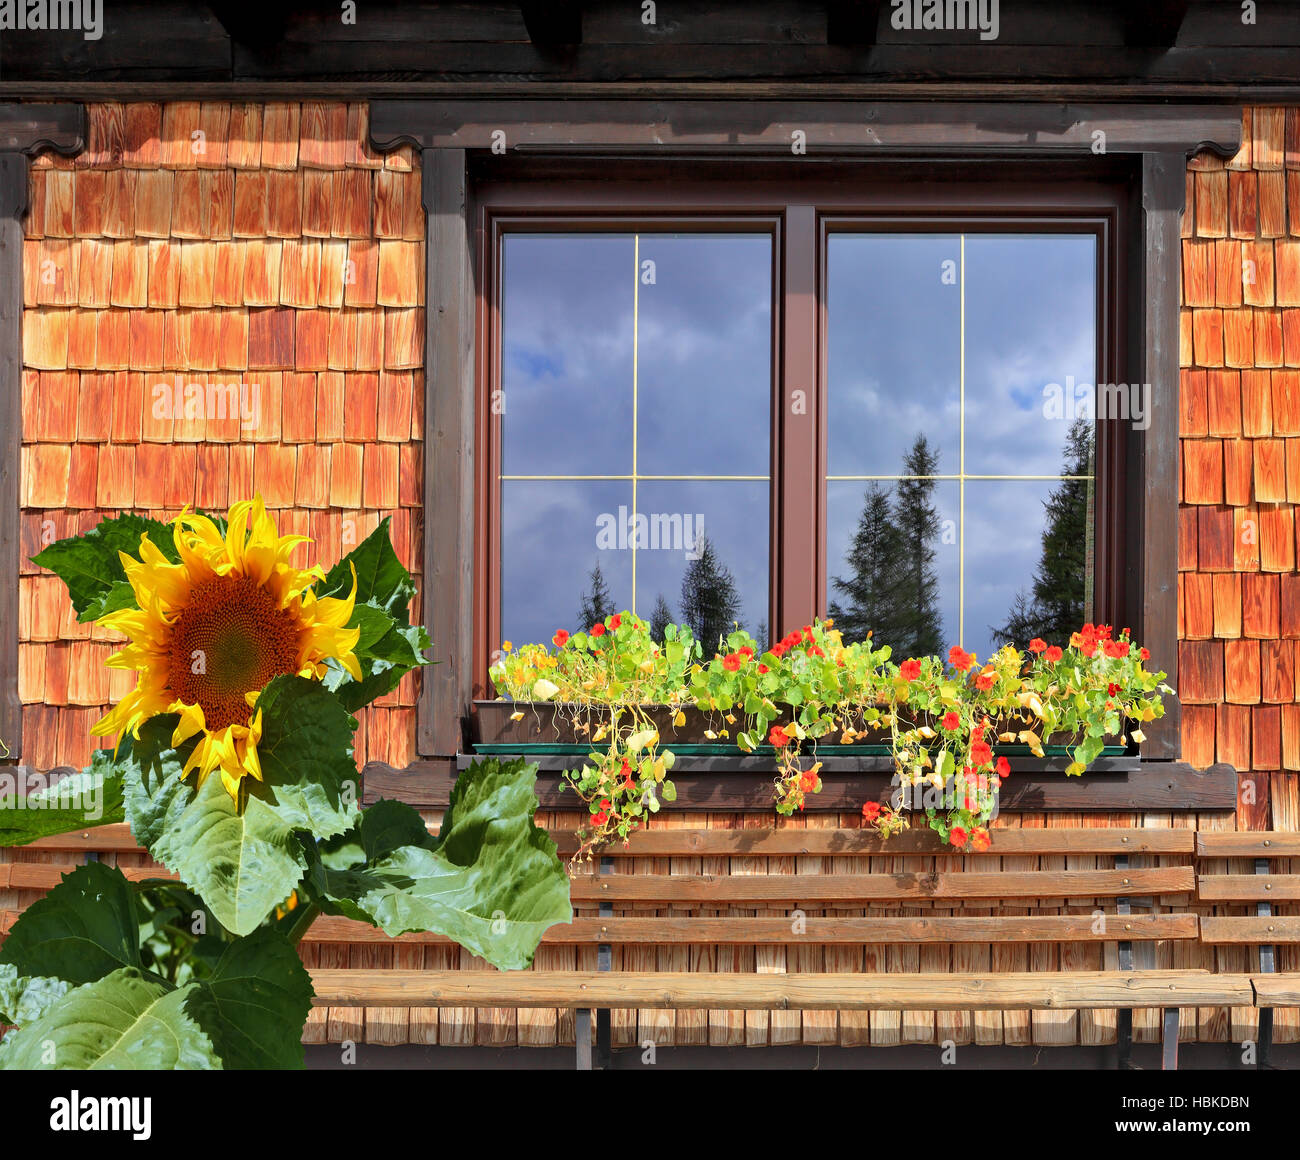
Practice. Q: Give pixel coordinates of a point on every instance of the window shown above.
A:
(843, 405)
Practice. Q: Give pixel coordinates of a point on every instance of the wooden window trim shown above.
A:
(24, 131)
(1157, 141)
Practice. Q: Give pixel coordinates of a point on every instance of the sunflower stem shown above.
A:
(307, 914)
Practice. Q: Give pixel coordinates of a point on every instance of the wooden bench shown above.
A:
(613, 907)
(1262, 891)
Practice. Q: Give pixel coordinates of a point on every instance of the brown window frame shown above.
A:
(799, 214)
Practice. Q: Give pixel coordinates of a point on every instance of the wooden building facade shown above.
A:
(301, 202)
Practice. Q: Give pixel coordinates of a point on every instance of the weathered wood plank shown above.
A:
(1248, 887)
(1248, 844)
(1251, 931)
(1277, 990)
(823, 889)
(1032, 991)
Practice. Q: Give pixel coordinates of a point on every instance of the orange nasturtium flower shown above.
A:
(214, 629)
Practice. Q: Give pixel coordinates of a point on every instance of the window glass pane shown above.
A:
(894, 563)
(642, 363)
(893, 350)
(566, 353)
(1031, 349)
(704, 360)
(713, 571)
(549, 550)
(998, 401)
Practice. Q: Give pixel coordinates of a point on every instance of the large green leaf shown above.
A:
(78, 802)
(81, 930)
(256, 1002)
(123, 1021)
(241, 863)
(309, 779)
(22, 999)
(382, 581)
(90, 567)
(491, 880)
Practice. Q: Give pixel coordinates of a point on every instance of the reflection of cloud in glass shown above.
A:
(1030, 321)
(893, 355)
(548, 549)
(566, 371)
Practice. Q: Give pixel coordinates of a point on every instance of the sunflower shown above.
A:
(214, 629)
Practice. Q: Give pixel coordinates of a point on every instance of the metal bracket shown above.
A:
(1267, 965)
(600, 1059)
(1124, 1017)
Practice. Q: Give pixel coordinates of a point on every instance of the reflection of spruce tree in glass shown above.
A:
(1060, 598)
(596, 604)
(660, 618)
(893, 591)
(710, 602)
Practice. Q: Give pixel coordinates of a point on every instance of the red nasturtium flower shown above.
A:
(816, 651)
(980, 753)
(1037, 645)
(1053, 654)
(979, 839)
(959, 658)
(984, 680)
(1003, 767)
(808, 782)
(871, 811)
(561, 638)
(1145, 655)
(762, 668)
(731, 662)
(616, 620)
(602, 815)
(597, 630)
(747, 650)
(950, 722)
(1115, 648)
(957, 837)
(910, 670)
(778, 737)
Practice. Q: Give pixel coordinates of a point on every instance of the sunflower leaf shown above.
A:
(123, 1021)
(90, 567)
(382, 581)
(242, 864)
(254, 1005)
(23, 999)
(79, 801)
(309, 779)
(81, 930)
(491, 880)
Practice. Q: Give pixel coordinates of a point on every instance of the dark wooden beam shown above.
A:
(1108, 787)
(735, 127)
(1155, 23)
(30, 128)
(552, 23)
(852, 22)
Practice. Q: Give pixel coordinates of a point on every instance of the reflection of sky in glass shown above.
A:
(574, 323)
(566, 357)
(1004, 541)
(1030, 321)
(893, 349)
(548, 549)
(893, 354)
(844, 502)
(736, 524)
(704, 369)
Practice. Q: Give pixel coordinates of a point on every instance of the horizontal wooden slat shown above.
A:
(844, 992)
(877, 887)
(782, 842)
(1248, 887)
(1251, 931)
(1248, 844)
(45, 876)
(1277, 990)
(846, 931)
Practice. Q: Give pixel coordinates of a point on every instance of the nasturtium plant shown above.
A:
(942, 722)
(234, 768)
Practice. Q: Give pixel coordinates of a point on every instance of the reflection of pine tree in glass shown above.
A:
(917, 519)
(870, 597)
(596, 604)
(1059, 603)
(710, 602)
(660, 618)
(893, 591)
